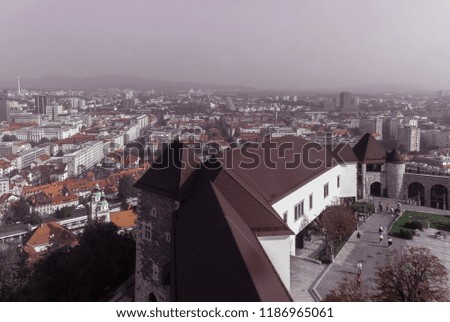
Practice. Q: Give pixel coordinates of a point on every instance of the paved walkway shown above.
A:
(370, 252)
(303, 275)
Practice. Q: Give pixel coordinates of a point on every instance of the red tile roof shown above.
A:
(124, 219)
(50, 232)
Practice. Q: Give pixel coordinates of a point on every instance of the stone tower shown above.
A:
(161, 189)
(395, 170)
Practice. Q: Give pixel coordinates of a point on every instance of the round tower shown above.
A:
(395, 170)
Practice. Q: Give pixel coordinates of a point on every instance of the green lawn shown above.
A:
(436, 221)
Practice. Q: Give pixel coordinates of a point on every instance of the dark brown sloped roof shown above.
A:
(217, 257)
(395, 157)
(344, 153)
(254, 210)
(170, 174)
(295, 163)
(368, 150)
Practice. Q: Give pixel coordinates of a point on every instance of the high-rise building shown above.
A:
(83, 159)
(372, 125)
(5, 107)
(41, 103)
(345, 101)
(394, 126)
(409, 138)
(127, 104)
(53, 111)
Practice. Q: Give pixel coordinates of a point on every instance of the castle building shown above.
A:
(384, 174)
(224, 229)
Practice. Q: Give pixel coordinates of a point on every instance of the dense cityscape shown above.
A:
(70, 158)
(241, 151)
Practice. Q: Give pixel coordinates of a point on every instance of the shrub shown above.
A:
(325, 259)
(363, 207)
(406, 234)
(414, 225)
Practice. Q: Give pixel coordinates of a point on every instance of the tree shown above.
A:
(125, 187)
(12, 276)
(413, 274)
(64, 212)
(35, 219)
(349, 291)
(363, 207)
(337, 223)
(20, 211)
(9, 138)
(88, 272)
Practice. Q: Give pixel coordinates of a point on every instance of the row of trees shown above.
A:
(88, 272)
(413, 274)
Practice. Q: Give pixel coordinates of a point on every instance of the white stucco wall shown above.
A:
(277, 249)
(348, 180)
(347, 188)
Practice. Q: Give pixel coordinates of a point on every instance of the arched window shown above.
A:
(416, 193)
(438, 197)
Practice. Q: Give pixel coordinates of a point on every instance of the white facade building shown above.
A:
(83, 159)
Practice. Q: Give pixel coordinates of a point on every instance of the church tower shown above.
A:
(99, 208)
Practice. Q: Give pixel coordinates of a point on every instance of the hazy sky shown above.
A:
(300, 44)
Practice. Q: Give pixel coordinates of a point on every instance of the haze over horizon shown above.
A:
(296, 44)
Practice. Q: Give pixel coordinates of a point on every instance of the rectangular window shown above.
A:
(325, 190)
(147, 232)
(299, 210)
(338, 181)
(310, 201)
(285, 217)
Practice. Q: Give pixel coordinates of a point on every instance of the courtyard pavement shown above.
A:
(370, 252)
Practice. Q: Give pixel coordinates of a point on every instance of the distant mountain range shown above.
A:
(114, 81)
(143, 83)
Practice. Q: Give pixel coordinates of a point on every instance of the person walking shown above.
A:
(358, 280)
(381, 238)
(358, 237)
(359, 267)
(389, 242)
(380, 206)
(380, 229)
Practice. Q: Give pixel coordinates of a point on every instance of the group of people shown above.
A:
(359, 264)
(380, 232)
(390, 209)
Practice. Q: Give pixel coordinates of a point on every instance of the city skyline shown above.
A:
(301, 45)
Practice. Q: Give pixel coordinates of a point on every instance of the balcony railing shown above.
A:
(427, 172)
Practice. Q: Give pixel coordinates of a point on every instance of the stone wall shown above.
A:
(153, 246)
(428, 181)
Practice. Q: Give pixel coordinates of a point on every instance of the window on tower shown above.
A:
(147, 232)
